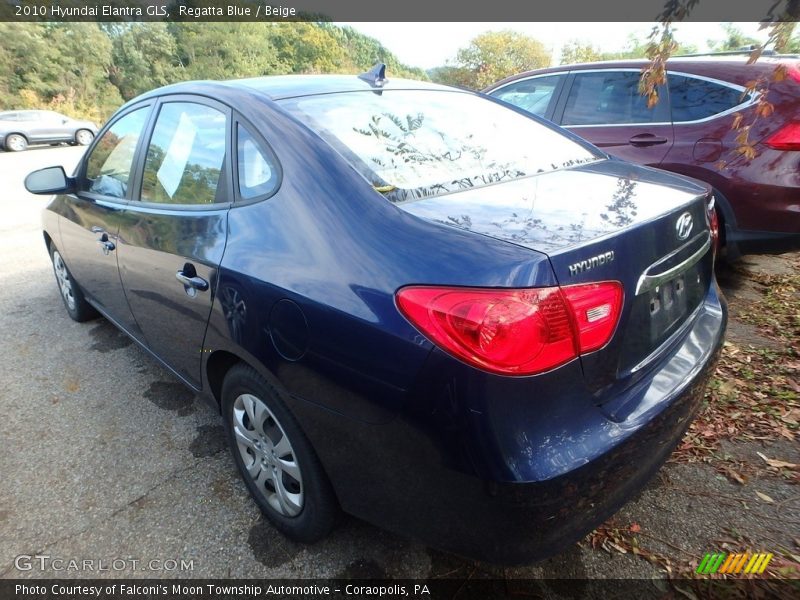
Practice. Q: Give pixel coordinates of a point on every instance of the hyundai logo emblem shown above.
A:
(683, 226)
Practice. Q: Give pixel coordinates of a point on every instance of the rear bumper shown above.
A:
(510, 488)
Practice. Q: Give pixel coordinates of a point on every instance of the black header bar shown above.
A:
(382, 10)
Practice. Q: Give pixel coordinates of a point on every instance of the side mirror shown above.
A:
(51, 180)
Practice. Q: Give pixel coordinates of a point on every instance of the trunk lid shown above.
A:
(600, 222)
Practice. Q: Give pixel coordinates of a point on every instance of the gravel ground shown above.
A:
(105, 456)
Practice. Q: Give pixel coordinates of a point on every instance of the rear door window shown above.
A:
(693, 99)
(609, 98)
(186, 156)
(534, 95)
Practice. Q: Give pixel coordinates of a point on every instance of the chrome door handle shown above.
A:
(106, 245)
(195, 282)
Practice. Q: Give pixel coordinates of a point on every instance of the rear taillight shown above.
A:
(595, 309)
(713, 224)
(515, 331)
(786, 138)
(793, 72)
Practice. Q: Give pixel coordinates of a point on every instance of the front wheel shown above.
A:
(77, 307)
(16, 143)
(84, 137)
(276, 461)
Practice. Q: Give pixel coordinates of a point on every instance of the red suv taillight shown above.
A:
(713, 224)
(793, 72)
(786, 138)
(515, 331)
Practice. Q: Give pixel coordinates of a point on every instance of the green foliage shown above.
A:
(735, 40)
(448, 75)
(225, 50)
(143, 56)
(575, 51)
(492, 56)
(793, 45)
(89, 69)
(62, 66)
(363, 52)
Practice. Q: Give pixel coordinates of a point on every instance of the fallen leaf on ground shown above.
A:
(765, 498)
(772, 462)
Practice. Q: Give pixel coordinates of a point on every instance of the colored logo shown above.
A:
(719, 562)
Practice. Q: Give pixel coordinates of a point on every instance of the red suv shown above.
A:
(688, 132)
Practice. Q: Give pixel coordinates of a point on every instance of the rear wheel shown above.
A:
(16, 142)
(74, 301)
(276, 461)
(84, 137)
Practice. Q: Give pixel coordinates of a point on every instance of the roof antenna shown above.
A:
(376, 76)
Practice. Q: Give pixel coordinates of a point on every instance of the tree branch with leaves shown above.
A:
(780, 22)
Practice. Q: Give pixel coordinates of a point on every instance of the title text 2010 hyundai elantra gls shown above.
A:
(410, 302)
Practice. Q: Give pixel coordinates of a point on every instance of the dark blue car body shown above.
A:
(302, 287)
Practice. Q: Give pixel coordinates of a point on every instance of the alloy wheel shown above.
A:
(268, 456)
(15, 143)
(64, 281)
(84, 137)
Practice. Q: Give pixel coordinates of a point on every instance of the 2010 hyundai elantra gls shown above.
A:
(410, 302)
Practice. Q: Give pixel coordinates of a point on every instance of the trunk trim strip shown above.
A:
(648, 282)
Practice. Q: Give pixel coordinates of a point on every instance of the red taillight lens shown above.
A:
(514, 331)
(713, 225)
(794, 73)
(786, 138)
(595, 308)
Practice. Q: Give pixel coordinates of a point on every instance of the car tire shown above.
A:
(71, 294)
(16, 142)
(275, 459)
(83, 137)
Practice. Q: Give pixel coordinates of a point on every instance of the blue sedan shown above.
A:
(409, 302)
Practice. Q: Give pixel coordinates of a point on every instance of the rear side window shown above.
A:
(108, 167)
(258, 174)
(533, 95)
(186, 155)
(609, 98)
(693, 99)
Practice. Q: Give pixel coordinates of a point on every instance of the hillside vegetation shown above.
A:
(88, 69)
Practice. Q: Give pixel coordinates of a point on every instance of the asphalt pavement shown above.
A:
(106, 457)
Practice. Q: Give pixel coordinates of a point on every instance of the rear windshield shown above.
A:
(416, 143)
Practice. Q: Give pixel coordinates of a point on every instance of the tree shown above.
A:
(225, 50)
(793, 45)
(24, 60)
(86, 70)
(144, 56)
(575, 51)
(307, 48)
(735, 40)
(457, 76)
(363, 51)
(497, 54)
(780, 24)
